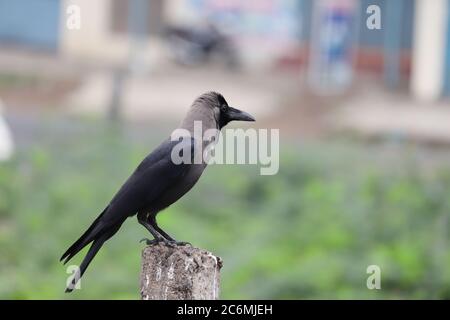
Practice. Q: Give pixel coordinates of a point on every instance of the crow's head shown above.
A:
(214, 102)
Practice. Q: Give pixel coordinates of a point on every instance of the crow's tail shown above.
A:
(100, 230)
(96, 245)
(97, 233)
(88, 236)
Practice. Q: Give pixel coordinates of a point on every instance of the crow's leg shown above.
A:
(152, 222)
(158, 237)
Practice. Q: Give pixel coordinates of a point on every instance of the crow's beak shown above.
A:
(238, 115)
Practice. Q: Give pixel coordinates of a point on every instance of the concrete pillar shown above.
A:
(429, 43)
(173, 272)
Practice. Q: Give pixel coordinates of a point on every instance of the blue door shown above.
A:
(447, 56)
(32, 23)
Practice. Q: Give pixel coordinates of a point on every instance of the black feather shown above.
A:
(154, 175)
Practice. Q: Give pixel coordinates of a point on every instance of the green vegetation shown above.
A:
(308, 232)
(11, 80)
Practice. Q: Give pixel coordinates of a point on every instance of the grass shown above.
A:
(308, 232)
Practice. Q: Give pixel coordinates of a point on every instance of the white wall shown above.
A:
(429, 45)
(95, 39)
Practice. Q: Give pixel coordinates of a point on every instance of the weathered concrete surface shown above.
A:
(179, 273)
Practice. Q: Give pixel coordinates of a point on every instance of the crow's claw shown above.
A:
(179, 243)
(150, 242)
(170, 243)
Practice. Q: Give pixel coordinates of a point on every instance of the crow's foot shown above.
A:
(178, 243)
(170, 243)
(151, 242)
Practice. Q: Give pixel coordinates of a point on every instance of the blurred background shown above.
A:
(359, 90)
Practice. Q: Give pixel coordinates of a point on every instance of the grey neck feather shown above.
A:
(202, 113)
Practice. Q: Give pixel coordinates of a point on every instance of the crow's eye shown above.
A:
(223, 107)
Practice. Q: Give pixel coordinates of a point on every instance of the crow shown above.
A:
(158, 181)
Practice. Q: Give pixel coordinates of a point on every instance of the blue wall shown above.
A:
(366, 37)
(447, 67)
(375, 38)
(33, 23)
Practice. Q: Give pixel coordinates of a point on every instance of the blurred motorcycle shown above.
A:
(196, 46)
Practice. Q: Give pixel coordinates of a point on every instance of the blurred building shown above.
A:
(412, 45)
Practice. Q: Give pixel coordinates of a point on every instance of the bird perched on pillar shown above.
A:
(158, 181)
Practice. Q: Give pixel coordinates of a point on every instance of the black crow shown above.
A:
(157, 182)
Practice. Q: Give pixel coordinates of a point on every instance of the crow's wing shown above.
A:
(154, 175)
